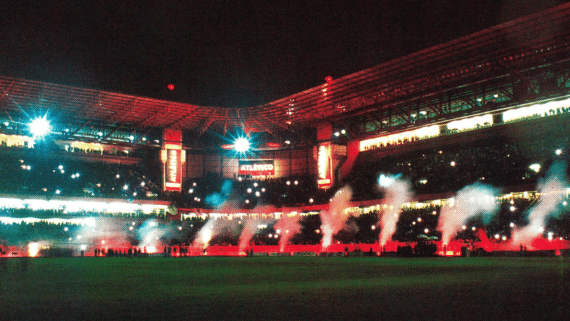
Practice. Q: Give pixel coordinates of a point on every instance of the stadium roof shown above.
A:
(491, 53)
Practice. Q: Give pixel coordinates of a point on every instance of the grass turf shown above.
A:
(294, 288)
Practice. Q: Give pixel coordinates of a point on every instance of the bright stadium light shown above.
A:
(241, 144)
(39, 127)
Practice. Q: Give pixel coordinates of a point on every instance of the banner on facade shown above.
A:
(173, 170)
(324, 165)
(257, 167)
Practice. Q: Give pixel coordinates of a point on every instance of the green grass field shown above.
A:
(294, 288)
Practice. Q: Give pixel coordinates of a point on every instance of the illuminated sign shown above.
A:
(173, 157)
(256, 167)
(324, 166)
(172, 162)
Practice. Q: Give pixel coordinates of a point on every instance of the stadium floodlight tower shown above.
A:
(39, 127)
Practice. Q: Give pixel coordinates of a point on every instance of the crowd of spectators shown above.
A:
(212, 191)
(414, 225)
(35, 175)
(22, 233)
(495, 162)
(498, 162)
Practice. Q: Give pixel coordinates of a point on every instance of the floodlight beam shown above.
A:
(39, 127)
(241, 144)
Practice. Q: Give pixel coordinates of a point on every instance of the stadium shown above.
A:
(432, 186)
(458, 148)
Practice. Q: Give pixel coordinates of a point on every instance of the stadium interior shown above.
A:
(101, 173)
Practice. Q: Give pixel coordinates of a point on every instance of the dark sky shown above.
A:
(228, 53)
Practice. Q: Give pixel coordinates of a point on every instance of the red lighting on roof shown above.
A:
(171, 86)
(328, 79)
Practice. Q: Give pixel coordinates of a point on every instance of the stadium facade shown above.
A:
(509, 80)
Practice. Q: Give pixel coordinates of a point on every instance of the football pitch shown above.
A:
(292, 288)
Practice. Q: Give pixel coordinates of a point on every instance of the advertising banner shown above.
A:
(173, 170)
(324, 165)
(257, 167)
(173, 158)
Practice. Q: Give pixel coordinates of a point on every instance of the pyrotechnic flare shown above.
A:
(204, 235)
(287, 227)
(150, 234)
(249, 230)
(470, 201)
(115, 232)
(332, 220)
(398, 192)
(33, 249)
(551, 193)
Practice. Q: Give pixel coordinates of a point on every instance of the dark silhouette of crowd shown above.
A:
(496, 162)
(34, 175)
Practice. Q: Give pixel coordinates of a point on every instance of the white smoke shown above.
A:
(470, 201)
(332, 220)
(287, 227)
(398, 192)
(151, 232)
(250, 228)
(551, 193)
(205, 234)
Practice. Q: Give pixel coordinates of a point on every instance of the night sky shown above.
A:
(228, 53)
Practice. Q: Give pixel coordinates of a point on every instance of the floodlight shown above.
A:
(39, 127)
(241, 144)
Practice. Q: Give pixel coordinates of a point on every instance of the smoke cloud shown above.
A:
(205, 234)
(218, 199)
(470, 201)
(332, 220)
(287, 227)
(150, 234)
(249, 230)
(114, 233)
(398, 191)
(551, 193)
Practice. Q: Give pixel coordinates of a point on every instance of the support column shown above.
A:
(352, 151)
(329, 156)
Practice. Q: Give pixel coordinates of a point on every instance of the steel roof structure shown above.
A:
(508, 52)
